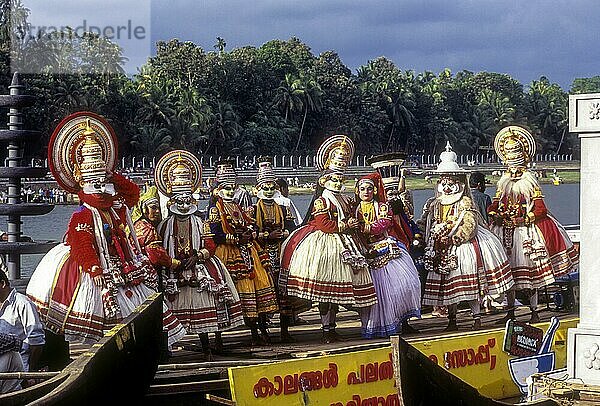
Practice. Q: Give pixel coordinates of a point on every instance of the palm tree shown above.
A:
(311, 93)
(223, 125)
(192, 116)
(220, 45)
(151, 140)
(288, 96)
(401, 116)
(500, 107)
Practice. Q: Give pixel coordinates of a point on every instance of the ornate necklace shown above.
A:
(367, 210)
(184, 243)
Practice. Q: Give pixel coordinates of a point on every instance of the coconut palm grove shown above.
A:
(277, 98)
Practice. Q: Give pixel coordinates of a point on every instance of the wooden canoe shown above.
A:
(420, 381)
(118, 369)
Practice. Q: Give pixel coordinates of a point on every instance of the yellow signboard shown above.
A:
(479, 360)
(352, 379)
(367, 377)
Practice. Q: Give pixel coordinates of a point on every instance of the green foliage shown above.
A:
(586, 85)
(275, 99)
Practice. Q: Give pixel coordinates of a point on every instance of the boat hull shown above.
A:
(118, 369)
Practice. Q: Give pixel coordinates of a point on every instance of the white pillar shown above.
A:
(583, 341)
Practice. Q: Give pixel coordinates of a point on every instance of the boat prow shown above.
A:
(127, 356)
(420, 381)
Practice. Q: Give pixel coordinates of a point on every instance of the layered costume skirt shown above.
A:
(481, 268)
(71, 304)
(210, 305)
(398, 289)
(256, 291)
(320, 267)
(538, 253)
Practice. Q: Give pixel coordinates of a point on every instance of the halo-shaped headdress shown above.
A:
(178, 172)
(335, 154)
(82, 148)
(265, 171)
(389, 167)
(515, 146)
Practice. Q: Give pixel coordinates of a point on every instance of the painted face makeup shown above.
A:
(268, 189)
(153, 212)
(227, 192)
(183, 203)
(335, 183)
(448, 186)
(366, 191)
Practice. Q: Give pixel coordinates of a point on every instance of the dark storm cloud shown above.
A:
(525, 39)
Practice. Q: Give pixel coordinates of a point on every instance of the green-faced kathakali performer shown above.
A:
(235, 235)
(274, 222)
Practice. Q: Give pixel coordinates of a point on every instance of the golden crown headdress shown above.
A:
(178, 172)
(335, 154)
(515, 146)
(82, 148)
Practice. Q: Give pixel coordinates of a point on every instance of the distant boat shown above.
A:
(116, 370)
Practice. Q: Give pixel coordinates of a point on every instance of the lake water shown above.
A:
(562, 201)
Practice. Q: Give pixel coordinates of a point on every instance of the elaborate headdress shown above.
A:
(515, 146)
(335, 154)
(448, 164)
(225, 172)
(378, 185)
(389, 167)
(265, 171)
(149, 196)
(82, 149)
(178, 172)
(449, 168)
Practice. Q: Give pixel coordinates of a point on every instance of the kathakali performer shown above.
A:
(464, 260)
(537, 245)
(394, 274)
(390, 167)
(274, 223)
(146, 217)
(322, 258)
(88, 284)
(235, 234)
(200, 291)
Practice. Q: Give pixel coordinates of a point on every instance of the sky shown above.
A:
(525, 39)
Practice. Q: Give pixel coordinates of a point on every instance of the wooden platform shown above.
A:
(189, 374)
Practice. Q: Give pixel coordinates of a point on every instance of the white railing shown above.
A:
(308, 161)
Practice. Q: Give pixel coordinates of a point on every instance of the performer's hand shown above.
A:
(352, 223)
(99, 281)
(190, 262)
(246, 237)
(275, 235)
(518, 221)
(456, 240)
